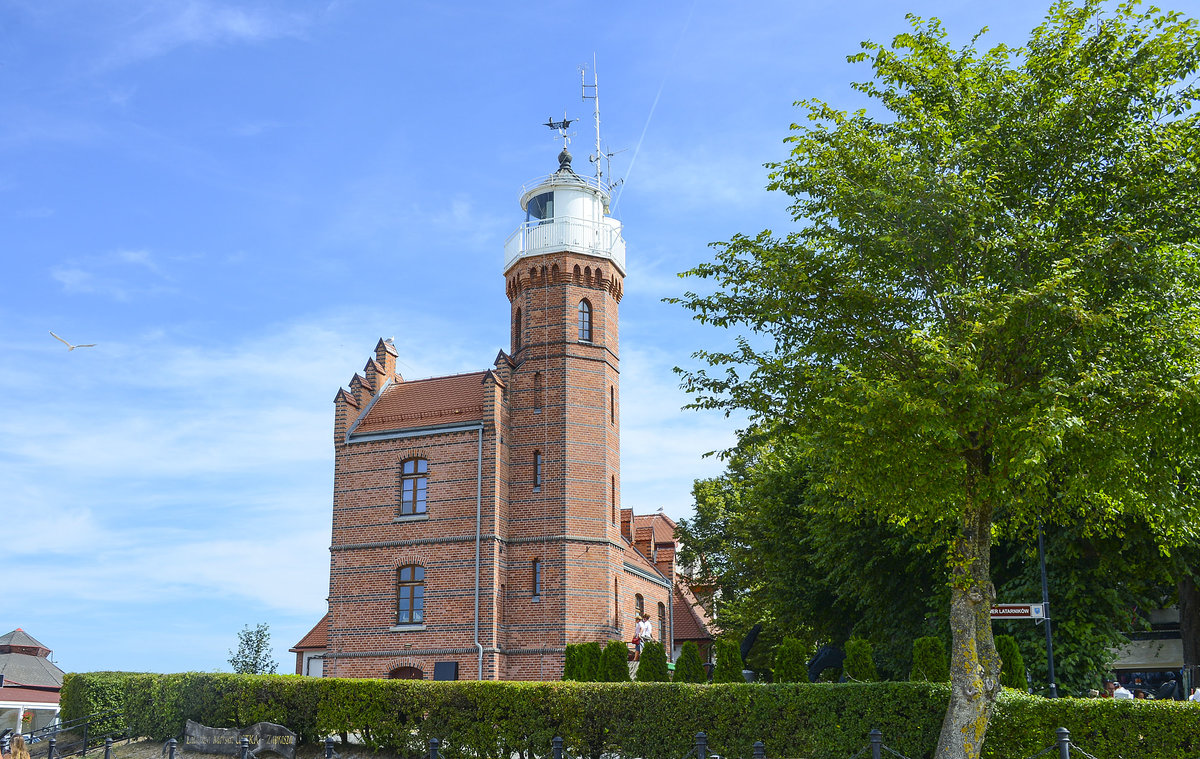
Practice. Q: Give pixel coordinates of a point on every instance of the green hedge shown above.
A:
(493, 720)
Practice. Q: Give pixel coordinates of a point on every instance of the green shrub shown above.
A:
(791, 662)
(860, 662)
(498, 720)
(729, 663)
(614, 663)
(652, 668)
(589, 662)
(689, 668)
(929, 661)
(571, 662)
(1012, 665)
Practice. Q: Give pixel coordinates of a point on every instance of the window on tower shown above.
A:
(413, 483)
(410, 595)
(662, 623)
(517, 331)
(585, 321)
(540, 208)
(537, 470)
(537, 393)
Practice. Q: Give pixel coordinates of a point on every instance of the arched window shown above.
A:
(662, 626)
(585, 321)
(413, 482)
(537, 391)
(639, 605)
(537, 469)
(517, 331)
(406, 673)
(578, 275)
(410, 595)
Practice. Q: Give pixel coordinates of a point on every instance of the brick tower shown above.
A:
(477, 526)
(565, 269)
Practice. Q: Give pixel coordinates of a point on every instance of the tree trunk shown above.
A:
(1189, 621)
(974, 663)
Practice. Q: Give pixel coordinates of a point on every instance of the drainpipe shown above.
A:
(478, 534)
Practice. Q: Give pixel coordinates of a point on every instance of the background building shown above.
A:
(29, 683)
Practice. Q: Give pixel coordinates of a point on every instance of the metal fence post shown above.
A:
(701, 746)
(760, 751)
(433, 748)
(171, 744)
(1064, 743)
(85, 738)
(329, 747)
(557, 743)
(51, 750)
(876, 737)
(108, 747)
(245, 747)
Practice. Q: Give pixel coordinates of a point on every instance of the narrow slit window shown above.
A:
(537, 469)
(537, 578)
(537, 391)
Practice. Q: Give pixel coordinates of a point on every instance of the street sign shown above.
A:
(1017, 611)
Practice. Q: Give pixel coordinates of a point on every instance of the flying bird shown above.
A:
(69, 346)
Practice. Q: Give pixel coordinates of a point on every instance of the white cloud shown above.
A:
(110, 275)
(163, 27)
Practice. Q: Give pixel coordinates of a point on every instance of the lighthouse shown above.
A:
(477, 521)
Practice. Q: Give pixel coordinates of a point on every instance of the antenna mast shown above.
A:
(595, 98)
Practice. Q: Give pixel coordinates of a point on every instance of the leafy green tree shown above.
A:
(860, 663)
(589, 666)
(1012, 666)
(253, 655)
(791, 662)
(988, 314)
(652, 666)
(614, 663)
(689, 668)
(781, 556)
(728, 668)
(929, 661)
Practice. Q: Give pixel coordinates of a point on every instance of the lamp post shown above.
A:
(1053, 693)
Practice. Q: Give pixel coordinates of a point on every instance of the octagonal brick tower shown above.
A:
(565, 268)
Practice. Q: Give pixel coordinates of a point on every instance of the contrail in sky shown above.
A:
(670, 65)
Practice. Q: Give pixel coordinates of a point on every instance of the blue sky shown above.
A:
(235, 200)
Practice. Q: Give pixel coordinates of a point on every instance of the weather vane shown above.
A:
(561, 127)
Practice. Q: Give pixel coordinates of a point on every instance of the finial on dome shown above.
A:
(564, 161)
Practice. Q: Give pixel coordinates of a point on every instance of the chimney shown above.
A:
(644, 541)
(664, 559)
(627, 524)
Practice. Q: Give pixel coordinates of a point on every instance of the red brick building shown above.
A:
(477, 519)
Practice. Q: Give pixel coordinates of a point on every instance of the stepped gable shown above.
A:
(426, 403)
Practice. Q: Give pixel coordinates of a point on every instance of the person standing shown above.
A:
(1122, 692)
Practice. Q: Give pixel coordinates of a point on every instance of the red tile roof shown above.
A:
(663, 526)
(427, 402)
(317, 638)
(691, 622)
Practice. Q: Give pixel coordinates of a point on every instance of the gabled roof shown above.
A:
(663, 526)
(425, 403)
(691, 621)
(317, 638)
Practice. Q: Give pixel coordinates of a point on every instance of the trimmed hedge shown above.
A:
(791, 662)
(495, 720)
(860, 662)
(930, 662)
